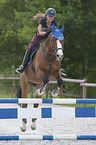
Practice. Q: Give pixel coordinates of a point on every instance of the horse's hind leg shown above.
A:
(24, 86)
(24, 89)
(33, 126)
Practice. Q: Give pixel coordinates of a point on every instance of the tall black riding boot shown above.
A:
(24, 63)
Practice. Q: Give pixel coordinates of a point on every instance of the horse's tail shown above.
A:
(18, 94)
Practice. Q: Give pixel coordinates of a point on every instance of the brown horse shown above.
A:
(46, 63)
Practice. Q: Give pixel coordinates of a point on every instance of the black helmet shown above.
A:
(51, 12)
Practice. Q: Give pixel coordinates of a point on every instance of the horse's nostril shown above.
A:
(57, 55)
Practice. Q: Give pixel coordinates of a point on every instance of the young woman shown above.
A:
(46, 20)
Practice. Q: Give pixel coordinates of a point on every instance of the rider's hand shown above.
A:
(42, 33)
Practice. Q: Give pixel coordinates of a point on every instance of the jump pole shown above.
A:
(49, 137)
(48, 101)
(51, 113)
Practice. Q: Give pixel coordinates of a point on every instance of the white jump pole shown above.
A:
(49, 137)
(48, 101)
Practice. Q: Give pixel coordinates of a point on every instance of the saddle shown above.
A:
(34, 50)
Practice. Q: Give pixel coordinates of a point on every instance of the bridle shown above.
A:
(51, 55)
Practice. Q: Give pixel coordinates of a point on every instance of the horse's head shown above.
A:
(57, 40)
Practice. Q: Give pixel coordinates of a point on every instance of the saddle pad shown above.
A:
(31, 58)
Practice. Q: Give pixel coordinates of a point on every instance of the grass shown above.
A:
(6, 92)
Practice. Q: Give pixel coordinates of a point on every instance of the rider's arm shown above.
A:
(39, 32)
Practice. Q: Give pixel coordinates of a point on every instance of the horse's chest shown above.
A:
(51, 68)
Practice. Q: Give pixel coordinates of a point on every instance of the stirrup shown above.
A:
(20, 69)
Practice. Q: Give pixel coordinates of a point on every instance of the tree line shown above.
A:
(17, 28)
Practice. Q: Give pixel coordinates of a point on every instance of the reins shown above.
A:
(50, 55)
(48, 60)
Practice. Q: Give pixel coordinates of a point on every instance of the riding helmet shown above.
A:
(51, 12)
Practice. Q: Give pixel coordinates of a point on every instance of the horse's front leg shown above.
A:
(42, 76)
(42, 89)
(59, 84)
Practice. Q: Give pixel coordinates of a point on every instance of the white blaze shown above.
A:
(59, 52)
(59, 44)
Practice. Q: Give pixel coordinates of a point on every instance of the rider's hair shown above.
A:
(39, 15)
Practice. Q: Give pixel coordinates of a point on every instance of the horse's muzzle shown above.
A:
(59, 55)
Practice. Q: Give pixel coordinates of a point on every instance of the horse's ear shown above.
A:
(53, 29)
(62, 29)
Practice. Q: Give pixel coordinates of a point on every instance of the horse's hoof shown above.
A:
(39, 92)
(54, 94)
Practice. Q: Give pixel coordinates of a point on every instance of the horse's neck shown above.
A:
(48, 44)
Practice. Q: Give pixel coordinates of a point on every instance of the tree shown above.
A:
(17, 29)
(80, 52)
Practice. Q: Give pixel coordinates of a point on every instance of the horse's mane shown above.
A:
(47, 40)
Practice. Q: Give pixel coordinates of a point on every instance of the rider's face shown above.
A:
(50, 18)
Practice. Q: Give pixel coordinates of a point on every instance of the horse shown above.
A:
(46, 63)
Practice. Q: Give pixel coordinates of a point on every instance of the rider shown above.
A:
(46, 20)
